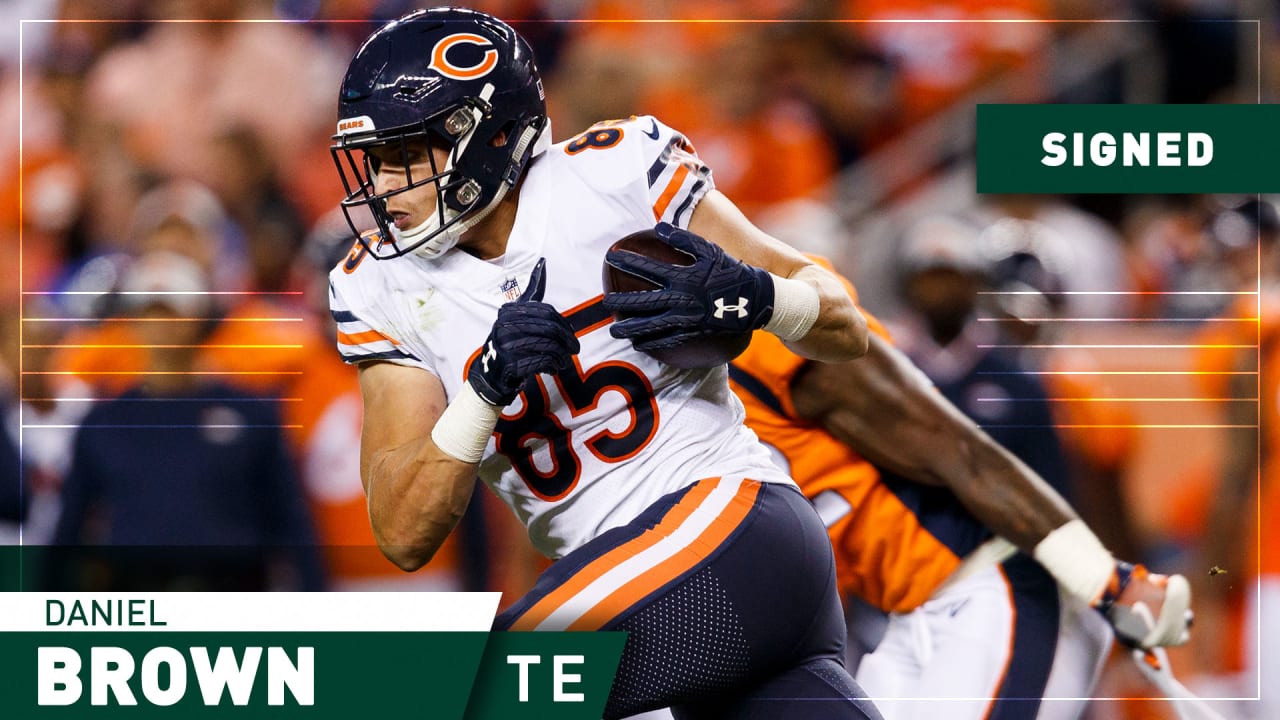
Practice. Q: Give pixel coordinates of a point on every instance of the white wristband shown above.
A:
(463, 430)
(1075, 557)
(795, 308)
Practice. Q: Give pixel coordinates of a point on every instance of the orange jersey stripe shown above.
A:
(669, 192)
(680, 512)
(367, 336)
(684, 560)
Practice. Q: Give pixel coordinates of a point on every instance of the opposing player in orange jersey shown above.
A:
(926, 514)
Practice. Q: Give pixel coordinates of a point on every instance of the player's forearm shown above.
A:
(417, 495)
(419, 489)
(840, 331)
(883, 407)
(997, 488)
(1003, 493)
(1018, 505)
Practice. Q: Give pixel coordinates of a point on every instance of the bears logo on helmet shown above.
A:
(441, 63)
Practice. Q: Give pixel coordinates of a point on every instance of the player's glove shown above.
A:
(528, 337)
(1154, 665)
(716, 294)
(1145, 609)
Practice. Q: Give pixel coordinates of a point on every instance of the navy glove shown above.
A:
(528, 337)
(717, 294)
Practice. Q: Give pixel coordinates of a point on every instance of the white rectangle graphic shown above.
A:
(249, 612)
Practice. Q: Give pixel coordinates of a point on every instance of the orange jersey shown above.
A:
(895, 541)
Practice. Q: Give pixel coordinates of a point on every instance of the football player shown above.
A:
(484, 346)
(911, 492)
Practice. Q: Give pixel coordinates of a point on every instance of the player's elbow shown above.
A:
(859, 334)
(407, 543)
(847, 335)
(408, 562)
(404, 554)
(410, 541)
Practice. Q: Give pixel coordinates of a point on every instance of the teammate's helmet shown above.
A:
(459, 79)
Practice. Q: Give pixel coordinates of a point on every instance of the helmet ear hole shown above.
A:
(503, 135)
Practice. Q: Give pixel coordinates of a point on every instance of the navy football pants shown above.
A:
(727, 592)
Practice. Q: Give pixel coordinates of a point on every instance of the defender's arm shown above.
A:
(883, 407)
(886, 409)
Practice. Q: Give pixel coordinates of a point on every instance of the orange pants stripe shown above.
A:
(671, 559)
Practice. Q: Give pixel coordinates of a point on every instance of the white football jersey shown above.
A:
(590, 448)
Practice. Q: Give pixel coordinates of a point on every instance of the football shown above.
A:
(703, 352)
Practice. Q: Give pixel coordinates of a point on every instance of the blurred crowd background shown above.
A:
(168, 205)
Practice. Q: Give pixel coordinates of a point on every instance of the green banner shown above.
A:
(1128, 148)
(545, 675)
(437, 675)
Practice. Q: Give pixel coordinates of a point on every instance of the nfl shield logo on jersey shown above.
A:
(511, 289)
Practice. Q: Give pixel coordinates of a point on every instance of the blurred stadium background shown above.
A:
(191, 158)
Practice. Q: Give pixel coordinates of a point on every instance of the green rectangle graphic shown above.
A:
(1128, 148)
(238, 675)
(314, 675)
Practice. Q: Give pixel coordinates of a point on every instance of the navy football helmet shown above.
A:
(460, 80)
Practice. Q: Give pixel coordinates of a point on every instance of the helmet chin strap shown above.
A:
(436, 246)
(445, 240)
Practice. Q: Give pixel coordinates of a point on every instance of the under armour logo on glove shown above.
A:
(692, 299)
(528, 337)
(721, 308)
(489, 354)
